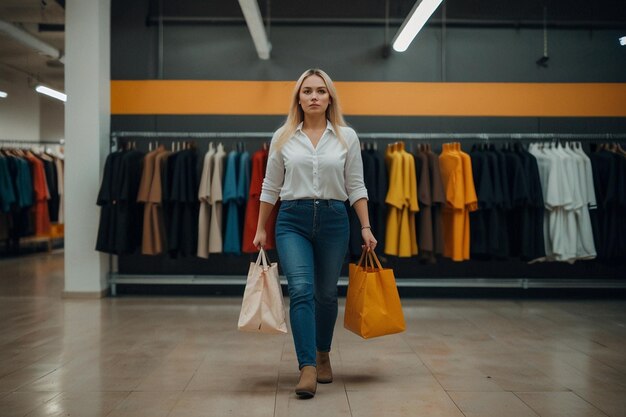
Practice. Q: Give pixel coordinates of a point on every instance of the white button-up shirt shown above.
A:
(328, 171)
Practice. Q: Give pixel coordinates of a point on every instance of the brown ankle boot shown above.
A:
(308, 382)
(324, 371)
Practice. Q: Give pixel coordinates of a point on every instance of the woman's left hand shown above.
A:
(369, 241)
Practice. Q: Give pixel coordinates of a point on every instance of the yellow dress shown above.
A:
(400, 236)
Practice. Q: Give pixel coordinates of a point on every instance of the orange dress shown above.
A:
(41, 196)
(458, 183)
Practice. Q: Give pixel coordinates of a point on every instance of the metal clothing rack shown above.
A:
(389, 136)
(17, 143)
(240, 280)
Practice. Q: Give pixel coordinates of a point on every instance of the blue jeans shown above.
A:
(312, 241)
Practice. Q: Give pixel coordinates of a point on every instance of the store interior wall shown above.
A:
(51, 119)
(19, 111)
(354, 53)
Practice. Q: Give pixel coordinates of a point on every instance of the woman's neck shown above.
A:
(314, 123)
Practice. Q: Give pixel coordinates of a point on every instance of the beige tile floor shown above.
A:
(183, 357)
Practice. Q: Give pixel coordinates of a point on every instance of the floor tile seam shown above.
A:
(276, 391)
(345, 391)
(32, 381)
(573, 349)
(43, 404)
(590, 403)
(437, 379)
(171, 410)
(118, 404)
(527, 405)
(574, 332)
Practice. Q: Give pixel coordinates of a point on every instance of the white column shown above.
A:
(87, 124)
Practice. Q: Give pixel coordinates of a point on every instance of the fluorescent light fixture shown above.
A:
(252, 14)
(52, 93)
(413, 23)
(622, 41)
(3, 94)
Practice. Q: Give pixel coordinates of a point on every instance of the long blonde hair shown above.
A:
(296, 114)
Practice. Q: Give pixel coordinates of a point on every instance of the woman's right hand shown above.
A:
(260, 239)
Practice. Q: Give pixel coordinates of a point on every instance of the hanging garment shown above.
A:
(184, 200)
(107, 199)
(243, 189)
(204, 195)
(7, 194)
(559, 221)
(609, 177)
(215, 230)
(143, 196)
(531, 222)
(61, 188)
(129, 214)
(461, 199)
(585, 246)
(259, 164)
(231, 212)
(438, 198)
(400, 239)
(41, 196)
(424, 216)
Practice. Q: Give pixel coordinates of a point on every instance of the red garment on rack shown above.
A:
(259, 163)
(41, 195)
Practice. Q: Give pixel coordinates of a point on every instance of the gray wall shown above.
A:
(353, 53)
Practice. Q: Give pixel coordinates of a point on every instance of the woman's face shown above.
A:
(314, 97)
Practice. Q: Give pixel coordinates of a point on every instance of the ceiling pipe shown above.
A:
(31, 41)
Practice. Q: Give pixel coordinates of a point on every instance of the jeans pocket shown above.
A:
(288, 205)
(338, 207)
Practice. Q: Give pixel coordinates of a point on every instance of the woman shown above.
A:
(314, 165)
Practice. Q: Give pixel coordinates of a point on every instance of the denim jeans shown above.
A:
(312, 241)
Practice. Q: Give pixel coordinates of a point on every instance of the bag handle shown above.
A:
(371, 260)
(358, 264)
(374, 260)
(262, 258)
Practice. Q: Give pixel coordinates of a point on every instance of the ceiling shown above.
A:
(585, 12)
(45, 19)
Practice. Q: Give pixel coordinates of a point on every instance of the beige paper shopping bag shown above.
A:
(263, 307)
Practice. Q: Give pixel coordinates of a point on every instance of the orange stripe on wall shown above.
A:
(373, 98)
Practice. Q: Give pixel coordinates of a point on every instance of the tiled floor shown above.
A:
(183, 357)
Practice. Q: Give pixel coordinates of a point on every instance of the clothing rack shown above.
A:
(240, 280)
(388, 136)
(28, 143)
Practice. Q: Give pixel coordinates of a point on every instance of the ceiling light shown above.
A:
(622, 41)
(3, 94)
(413, 23)
(52, 93)
(252, 14)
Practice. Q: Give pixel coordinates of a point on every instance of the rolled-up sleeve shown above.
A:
(355, 186)
(274, 175)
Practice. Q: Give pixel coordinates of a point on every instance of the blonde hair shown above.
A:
(296, 114)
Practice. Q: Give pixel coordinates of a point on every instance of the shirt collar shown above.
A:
(329, 126)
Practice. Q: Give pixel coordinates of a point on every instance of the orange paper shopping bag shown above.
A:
(373, 304)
